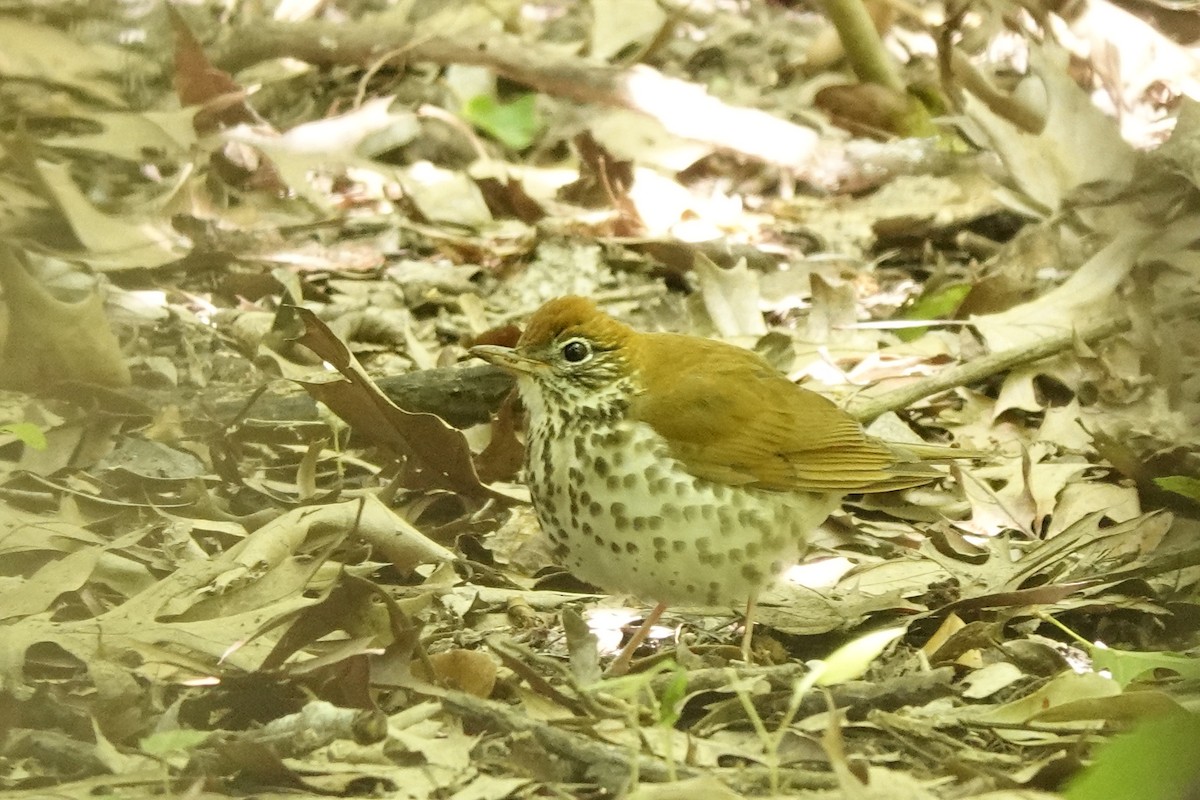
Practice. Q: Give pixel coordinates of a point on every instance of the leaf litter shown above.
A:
(212, 584)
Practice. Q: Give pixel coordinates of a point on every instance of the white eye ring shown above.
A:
(576, 351)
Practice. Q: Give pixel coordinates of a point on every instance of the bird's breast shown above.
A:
(625, 515)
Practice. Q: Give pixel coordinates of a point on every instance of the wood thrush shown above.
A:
(679, 469)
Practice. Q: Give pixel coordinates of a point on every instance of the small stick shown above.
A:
(995, 363)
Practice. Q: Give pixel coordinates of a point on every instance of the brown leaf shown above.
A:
(510, 200)
(436, 453)
(505, 453)
(199, 83)
(604, 180)
(504, 336)
(469, 671)
(865, 109)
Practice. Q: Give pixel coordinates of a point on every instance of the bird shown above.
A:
(679, 469)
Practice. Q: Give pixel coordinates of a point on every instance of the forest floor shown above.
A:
(262, 523)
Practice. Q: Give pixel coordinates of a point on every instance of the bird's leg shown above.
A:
(620, 664)
(748, 634)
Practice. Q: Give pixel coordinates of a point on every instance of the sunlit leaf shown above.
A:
(166, 742)
(851, 660)
(27, 432)
(515, 123)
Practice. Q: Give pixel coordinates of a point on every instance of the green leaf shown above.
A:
(933, 305)
(1155, 760)
(1181, 485)
(671, 700)
(176, 741)
(27, 432)
(515, 124)
(1126, 665)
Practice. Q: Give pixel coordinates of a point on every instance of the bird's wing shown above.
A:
(771, 434)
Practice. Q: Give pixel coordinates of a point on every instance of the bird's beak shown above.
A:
(507, 358)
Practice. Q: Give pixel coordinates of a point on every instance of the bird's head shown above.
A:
(572, 357)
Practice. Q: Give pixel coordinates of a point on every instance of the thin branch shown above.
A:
(996, 363)
(682, 107)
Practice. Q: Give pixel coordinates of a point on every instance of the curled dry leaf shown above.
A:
(438, 453)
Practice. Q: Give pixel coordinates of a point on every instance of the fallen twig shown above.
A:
(996, 363)
(682, 107)
(609, 765)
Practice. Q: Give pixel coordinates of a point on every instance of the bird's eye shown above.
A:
(576, 351)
